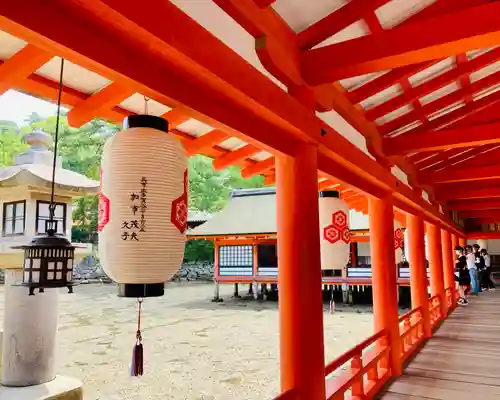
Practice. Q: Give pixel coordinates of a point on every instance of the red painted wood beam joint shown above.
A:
(462, 174)
(426, 40)
(443, 139)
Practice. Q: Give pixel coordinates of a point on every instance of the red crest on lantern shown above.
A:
(339, 219)
(398, 239)
(346, 235)
(179, 210)
(331, 234)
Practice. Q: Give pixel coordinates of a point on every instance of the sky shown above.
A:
(15, 106)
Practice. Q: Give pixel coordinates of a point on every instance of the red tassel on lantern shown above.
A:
(137, 365)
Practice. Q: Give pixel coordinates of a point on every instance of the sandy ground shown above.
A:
(194, 349)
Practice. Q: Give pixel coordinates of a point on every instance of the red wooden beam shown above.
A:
(257, 168)
(336, 21)
(486, 221)
(464, 159)
(483, 235)
(470, 205)
(434, 84)
(204, 142)
(441, 103)
(234, 157)
(426, 40)
(462, 174)
(443, 140)
(479, 214)
(21, 65)
(462, 193)
(106, 98)
(264, 3)
(439, 158)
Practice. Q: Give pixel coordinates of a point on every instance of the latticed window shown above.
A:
(14, 218)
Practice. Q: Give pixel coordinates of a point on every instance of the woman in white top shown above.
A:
(471, 265)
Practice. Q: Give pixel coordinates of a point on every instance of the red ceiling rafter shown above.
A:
(442, 102)
(464, 79)
(472, 205)
(462, 193)
(465, 157)
(480, 214)
(429, 39)
(472, 136)
(21, 65)
(463, 174)
(336, 21)
(106, 98)
(390, 78)
(434, 84)
(438, 158)
(205, 142)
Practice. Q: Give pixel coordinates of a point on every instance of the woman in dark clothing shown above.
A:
(461, 274)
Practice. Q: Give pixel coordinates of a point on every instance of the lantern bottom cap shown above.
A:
(141, 290)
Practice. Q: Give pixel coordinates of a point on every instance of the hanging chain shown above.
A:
(52, 205)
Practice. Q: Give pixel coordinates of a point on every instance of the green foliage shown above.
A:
(10, 142)
(199, 250)
(81, 149)
(209, 190)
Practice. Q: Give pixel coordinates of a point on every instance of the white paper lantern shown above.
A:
(142, 206)
(398, 242)
(334, 231)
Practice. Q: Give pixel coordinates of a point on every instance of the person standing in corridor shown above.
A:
(471, 265)
(488, 278)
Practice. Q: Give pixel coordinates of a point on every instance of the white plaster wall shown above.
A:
(357, 220)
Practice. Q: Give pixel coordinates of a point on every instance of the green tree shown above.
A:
(11, 143)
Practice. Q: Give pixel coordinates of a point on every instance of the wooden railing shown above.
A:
(411, 328)
(449, 297)
(346, 375)
(362, 371)
(435, 310)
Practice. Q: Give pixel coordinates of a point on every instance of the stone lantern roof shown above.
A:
(34, 168)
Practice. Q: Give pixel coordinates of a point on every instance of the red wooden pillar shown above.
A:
(436, 265)
(418, 270)
(448, 266)
(462, 242)
(454, 243)
(302, 363)
(384, 275)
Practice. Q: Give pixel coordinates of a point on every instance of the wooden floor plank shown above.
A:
(461, 361)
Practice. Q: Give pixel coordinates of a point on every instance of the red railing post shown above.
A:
(357, 389)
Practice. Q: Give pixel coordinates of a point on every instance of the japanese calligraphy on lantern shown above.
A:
(131, 229)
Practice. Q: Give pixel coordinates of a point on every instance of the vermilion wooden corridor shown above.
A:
(461, 360)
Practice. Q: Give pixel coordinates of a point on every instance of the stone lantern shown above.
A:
(30, 322)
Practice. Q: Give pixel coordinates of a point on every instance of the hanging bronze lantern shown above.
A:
(49, 258)
(48, 261)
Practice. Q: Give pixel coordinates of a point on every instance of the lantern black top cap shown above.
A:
(329, 193)
(145, 121)
(52, 241)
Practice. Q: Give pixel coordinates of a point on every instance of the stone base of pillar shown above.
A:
(29, 334)
(61, 388)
